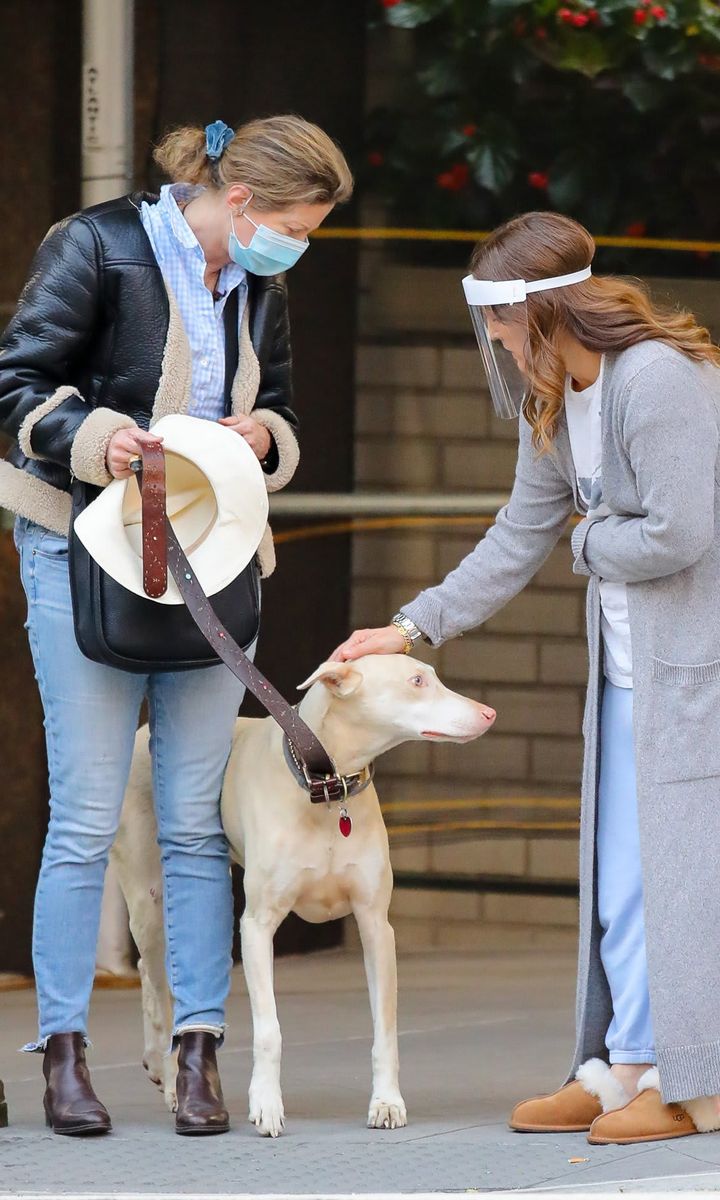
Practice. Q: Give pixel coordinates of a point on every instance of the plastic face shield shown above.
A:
(498, 311)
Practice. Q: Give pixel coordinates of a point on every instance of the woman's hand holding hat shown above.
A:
(258, 438)
(124, 446)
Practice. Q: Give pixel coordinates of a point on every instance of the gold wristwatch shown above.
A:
(408, 629)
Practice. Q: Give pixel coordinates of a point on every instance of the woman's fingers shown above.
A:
(143, 437)
(242, 424)
(387, 640)
(124, 446)
(349, 649)
(256, 435)
(343, 651)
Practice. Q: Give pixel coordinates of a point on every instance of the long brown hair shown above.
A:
(604, 313)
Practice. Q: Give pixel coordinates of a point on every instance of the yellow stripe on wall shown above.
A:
(485, 825)
(376, 524)
(382, 234)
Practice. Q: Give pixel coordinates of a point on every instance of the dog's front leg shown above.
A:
(266, 1106)
(137, 861)
(387, 1107)
(144, 900)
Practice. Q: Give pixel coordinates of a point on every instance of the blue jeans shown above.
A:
(91, 716)
(630, 1037)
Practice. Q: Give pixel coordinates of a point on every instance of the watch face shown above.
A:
(408, 625)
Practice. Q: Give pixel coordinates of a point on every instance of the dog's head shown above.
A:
(400, 697)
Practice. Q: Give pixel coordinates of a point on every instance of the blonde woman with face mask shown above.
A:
(619, 419)
(133, 310)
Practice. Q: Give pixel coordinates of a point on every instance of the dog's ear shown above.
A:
(339, 678)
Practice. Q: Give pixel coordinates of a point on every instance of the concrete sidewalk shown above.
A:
(479, 1030)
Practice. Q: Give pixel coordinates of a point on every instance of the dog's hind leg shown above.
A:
(266, 1106)
(387, 1107)
(137, 859)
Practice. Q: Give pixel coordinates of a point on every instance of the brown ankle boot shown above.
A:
(200, 1104)
(71, 1105)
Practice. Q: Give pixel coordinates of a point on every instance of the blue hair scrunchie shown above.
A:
(217, 137)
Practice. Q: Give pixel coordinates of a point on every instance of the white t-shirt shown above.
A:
(582, 410)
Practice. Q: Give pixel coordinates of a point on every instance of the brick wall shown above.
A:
(424, 423)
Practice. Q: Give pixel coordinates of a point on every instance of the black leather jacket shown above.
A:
(94, 315)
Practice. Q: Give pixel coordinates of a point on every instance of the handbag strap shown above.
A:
(163, 551)
(231, 314)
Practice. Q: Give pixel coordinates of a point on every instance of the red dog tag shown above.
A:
(345, 823)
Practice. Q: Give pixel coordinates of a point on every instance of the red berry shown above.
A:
(564, 14)
(594, 16)
(375, 158)
(469, 130)
(390, 3)
(636, 229)
(541, 33)
(454, 180)
(658, 12)
(461, 175)
(640, 16)
(580, 20)
(538, 180)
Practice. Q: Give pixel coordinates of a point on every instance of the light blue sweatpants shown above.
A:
(620, 894)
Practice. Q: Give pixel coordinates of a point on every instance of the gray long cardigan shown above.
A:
(660, 439)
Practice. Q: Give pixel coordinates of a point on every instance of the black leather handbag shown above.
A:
(116, 627)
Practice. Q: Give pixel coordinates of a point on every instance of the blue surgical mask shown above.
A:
(269, 252)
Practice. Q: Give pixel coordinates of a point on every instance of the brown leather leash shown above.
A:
(161, 550)
(151, 481)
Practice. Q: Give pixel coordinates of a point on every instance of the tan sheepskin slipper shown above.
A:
(574, 1107)
(646, 1118)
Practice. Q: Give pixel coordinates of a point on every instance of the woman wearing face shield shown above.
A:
(619, 417)
(134, 309)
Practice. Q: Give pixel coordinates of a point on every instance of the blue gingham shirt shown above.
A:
(182, 262)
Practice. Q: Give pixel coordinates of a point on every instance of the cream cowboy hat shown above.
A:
(216, 500)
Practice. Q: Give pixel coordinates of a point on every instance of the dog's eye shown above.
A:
(418, 680)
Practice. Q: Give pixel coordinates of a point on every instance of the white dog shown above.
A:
(296, 858)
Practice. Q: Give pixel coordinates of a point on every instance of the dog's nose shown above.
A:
(489, 713)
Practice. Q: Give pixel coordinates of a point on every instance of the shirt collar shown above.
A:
(170, 195)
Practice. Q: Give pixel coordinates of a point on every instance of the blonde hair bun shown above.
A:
(285, 160)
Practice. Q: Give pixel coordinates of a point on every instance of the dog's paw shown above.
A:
(387, 1113)
(268, 1120)
(153, 1064)
(170, 1070)
(267, 1113)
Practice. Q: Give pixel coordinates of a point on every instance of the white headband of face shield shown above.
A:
(505, 358)
(514, 291)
